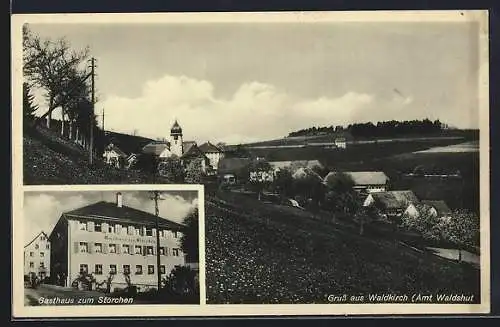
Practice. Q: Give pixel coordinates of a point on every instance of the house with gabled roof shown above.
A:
(213, 153)
(436, 208)
(121, 150)
(37, 256)
(365, 181)
(391, 203)
(114, 242)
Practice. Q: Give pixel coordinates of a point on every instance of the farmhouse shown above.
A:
(213, 153)
(391, 203)
(365, 181)
(436, 208)
(37, 256)
(233, 170)
(121, 150)
(112, 240)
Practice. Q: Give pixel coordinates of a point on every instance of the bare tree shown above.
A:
(54, 67)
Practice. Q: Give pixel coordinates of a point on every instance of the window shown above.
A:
(42, 254)
(126, 248)
(98, 248)
(151, 269)
(111, 229)
(149, 250)
(112, 269)
(42, 238)
(137, 231)
(138, 270)
(162, 269)
(138, 249)
(32, 264)
(84, 268)
(112, 248)
(31, 254)
(47, 246)
(36, 246)
(82, 225)
(162, 250)
(98, 227)
(98, 269)
(175, 252)
(176, 234)
(149, 232)
(126, 269)
(84, 247)
(42, 264)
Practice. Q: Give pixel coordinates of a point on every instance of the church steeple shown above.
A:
(176, 144)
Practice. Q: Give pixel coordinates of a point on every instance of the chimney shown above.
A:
(119, 200)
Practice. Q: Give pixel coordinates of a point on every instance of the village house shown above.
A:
(186, 151)
(233, 170)
(391, 204)
(122, 150)
(213, 153)
(437, 208)
(37, 256)
(293, 165)
(108, 239)
(365, 181)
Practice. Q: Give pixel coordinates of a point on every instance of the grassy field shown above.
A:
(257, 253)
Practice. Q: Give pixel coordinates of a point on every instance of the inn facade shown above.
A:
(112, 241)
(37, 256)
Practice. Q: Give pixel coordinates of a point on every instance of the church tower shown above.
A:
(176, 139)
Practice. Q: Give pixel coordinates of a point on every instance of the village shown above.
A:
(368, 206)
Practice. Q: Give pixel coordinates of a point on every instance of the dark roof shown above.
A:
(186, 145)
(232, 165)
(440, 206)
(395, 199)
(111, 212)
(36, 237)
(155, 148)
(176, 128)
(127, 143)
(209, 148)
(193, 152)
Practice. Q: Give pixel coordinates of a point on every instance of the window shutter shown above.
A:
(76, 247)
(154, 250)
(91, 247)
(118, 248)
(130, 230)
(166, 251)
(131, 249)
(145, 250)
(118, 229)
(88, 225)
(154, 231)
(104, 248)
(91, 226)
(104, 227)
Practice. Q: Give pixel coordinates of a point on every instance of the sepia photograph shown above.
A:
(343, 156)
(105, 247)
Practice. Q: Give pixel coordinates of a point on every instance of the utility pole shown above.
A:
(104, 131)
(157, 220)
(91, 143)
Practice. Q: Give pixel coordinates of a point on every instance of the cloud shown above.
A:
(42, 210)
(255, 111)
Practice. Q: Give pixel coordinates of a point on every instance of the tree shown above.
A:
(190, 236)
(171, 168)
(283, 182)
(340, 195)
(461, 229)
(194, 171)
(54, 67)
(29, 108)
(181, 281)
(364, 216)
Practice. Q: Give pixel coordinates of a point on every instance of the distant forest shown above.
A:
(381, 129)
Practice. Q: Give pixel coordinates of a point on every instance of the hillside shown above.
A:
(51, 159)
(273, 255)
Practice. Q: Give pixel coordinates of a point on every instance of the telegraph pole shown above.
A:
(103, 130)
(91, 143)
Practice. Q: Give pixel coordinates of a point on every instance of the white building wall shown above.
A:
(120, 237)
(37, 257)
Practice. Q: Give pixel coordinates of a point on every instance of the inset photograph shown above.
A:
(111, 247)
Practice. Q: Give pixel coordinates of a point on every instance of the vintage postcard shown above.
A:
(337, 161)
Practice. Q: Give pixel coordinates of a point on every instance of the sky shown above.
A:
(237, 83)
(42, 210)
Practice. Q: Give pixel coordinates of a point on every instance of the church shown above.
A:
(187, 151)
